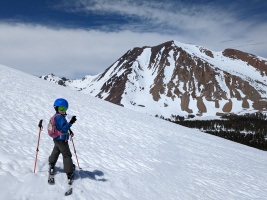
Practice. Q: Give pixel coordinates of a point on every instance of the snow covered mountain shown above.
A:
(180, 79)
(123, 154)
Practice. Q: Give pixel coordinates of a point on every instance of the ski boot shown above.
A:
(70, 176)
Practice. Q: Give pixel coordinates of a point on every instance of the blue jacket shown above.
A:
(63, 126)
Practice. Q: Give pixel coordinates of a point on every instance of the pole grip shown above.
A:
(40, 124)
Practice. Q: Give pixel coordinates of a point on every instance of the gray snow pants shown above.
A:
(63, 148)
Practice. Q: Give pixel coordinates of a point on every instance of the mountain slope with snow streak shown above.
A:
(123, 154)
(174, 78)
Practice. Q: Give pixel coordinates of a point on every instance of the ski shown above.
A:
(70, 181)
(69, 191)
(51, 178)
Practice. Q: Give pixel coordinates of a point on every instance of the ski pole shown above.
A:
(75, 151)
(41, 128)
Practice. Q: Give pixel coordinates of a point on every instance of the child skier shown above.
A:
(61, 142)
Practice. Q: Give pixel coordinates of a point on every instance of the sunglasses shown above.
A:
(62, 108)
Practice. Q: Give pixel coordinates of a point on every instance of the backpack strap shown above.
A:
(62, 134)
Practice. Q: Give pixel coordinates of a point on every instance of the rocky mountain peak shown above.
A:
(173, 78)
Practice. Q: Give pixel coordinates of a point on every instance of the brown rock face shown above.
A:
(207, 52)
(249, 58)
(200, 105)
(115, 85)
(228, 106)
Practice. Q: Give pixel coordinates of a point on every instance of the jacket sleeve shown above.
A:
(62, 124)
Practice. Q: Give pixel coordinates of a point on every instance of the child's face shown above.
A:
(62, 112)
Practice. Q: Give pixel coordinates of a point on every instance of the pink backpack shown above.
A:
(52, 129)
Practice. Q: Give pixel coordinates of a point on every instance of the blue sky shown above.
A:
(74, 38)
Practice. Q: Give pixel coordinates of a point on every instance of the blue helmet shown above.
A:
(61, 102)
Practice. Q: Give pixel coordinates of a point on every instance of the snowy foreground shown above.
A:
(123, 154)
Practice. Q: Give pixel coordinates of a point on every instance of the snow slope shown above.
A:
(123, 154)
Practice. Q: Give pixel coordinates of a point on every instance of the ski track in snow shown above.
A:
(123, 154)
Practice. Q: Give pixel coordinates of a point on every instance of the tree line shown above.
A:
(249, 129)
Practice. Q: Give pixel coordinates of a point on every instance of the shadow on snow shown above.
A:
(94, 175)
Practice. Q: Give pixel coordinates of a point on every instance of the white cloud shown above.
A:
(173, 14)
(41, 50)
(204, 24)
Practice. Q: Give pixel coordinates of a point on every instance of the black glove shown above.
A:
(73, 120)
(71, 133)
